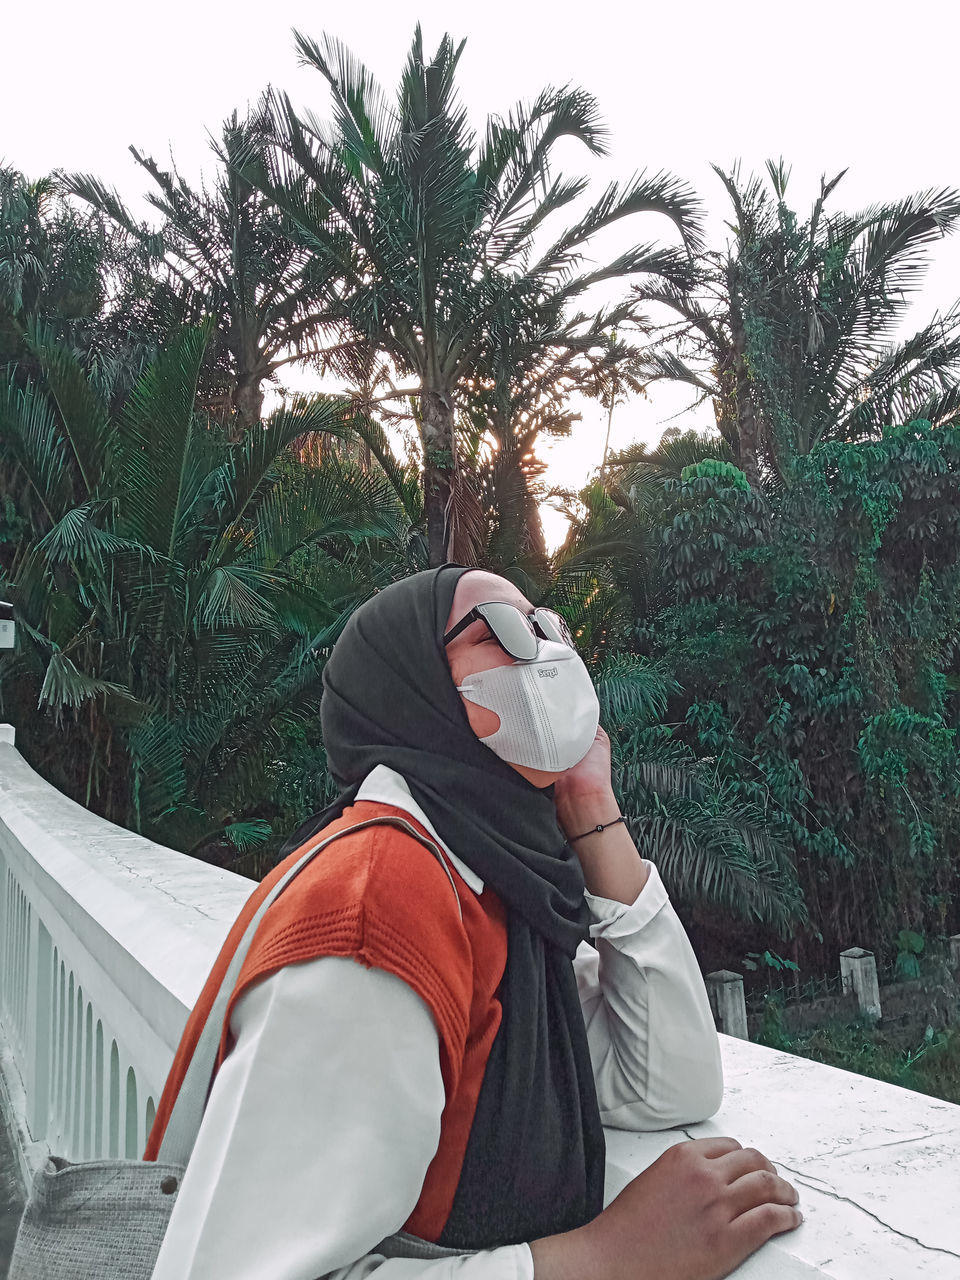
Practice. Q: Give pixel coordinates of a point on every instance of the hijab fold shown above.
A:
(534, 1163)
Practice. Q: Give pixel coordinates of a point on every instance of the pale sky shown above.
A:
(827, 84)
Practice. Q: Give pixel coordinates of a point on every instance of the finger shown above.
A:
(756, 1226)
(759, 1188)
(746, 1160)
(714, 1148)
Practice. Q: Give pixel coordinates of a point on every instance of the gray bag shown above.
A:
(106, 1219)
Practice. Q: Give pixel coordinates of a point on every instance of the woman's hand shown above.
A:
(588, 787)
(612, 867)
(695, 1214)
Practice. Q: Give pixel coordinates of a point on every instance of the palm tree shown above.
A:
(538, 359)
(61, 266)
(223, 253)
(792, 332)
(164, 631)
(434, 237)
(715, 849)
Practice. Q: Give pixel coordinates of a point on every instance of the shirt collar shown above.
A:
(385, 786)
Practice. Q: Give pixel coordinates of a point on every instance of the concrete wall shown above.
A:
(105, 941)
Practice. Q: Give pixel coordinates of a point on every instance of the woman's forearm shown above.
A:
(612, 867)
(564, 1257)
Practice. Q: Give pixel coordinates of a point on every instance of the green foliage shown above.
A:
(52, 258)
(910, 946)
(12, 526)
(810, 637)
(711, 847)
(223, 252)
(793, 330)
(770, 612)
(931, 1067)
(69, 269)
(170, 643)
(712, 468)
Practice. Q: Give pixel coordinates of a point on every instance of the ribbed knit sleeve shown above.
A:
(378, 897)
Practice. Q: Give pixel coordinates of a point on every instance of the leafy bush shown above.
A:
(814, 641)
(931, 1067)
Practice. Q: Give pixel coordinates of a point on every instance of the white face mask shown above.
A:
(548, 708)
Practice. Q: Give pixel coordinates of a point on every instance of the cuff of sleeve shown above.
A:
(614, 920)
(524, 1262)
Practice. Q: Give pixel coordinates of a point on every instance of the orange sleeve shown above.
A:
(377, 896)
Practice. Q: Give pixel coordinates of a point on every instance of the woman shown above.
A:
(421, 1037)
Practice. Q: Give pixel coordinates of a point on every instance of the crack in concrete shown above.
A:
(840, 1149)
(807, 1180)
(145, 878)
(125, 860)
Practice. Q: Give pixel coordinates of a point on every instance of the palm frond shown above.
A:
(246, 468)
(76, 537)
(661, 193)
(66, 687)
(155, 444)
(245, 836)
(706, 866)
(361, 112)
(631, 689)
(84, 418)
(159, 784)
(233, 596)
(32, 436)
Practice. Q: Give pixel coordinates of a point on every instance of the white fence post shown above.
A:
(37, 1031)
(725, 990)
(858, 974)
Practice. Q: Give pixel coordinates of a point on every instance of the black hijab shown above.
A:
(534, 1163)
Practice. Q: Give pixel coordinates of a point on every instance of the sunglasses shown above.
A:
(517, 633)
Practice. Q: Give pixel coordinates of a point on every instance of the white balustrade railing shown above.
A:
(105, 942)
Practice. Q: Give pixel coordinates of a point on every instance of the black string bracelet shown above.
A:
(601, 826)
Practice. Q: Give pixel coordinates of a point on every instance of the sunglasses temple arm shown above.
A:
(461, 626)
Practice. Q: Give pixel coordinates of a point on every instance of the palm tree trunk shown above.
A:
(439, 464)
(748, 427)
(536, 541)
(248, 403)
(535, 544)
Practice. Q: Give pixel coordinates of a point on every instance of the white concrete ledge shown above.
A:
(105, 941)
(877, 1167)
(107, 938)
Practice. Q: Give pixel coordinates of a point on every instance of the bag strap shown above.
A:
(187, 1113)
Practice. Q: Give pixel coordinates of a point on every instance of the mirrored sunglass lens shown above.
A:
(554, 627)
(511, 628)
